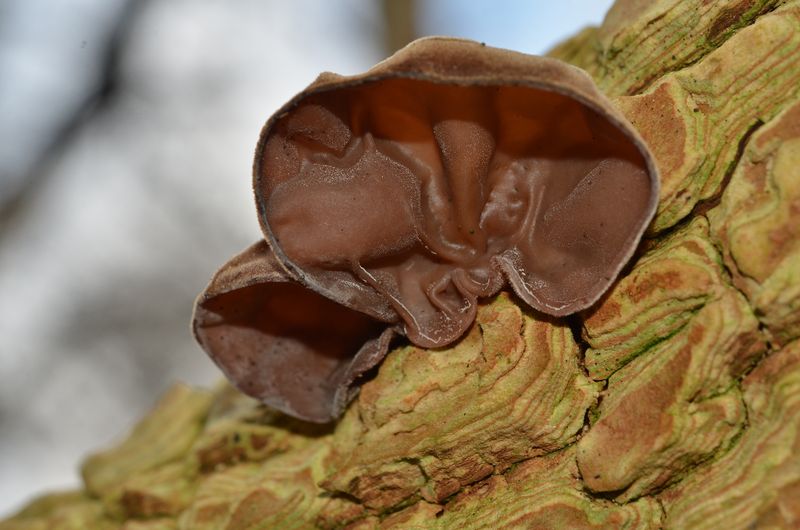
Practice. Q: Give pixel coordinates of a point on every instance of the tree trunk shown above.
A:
(673, 403)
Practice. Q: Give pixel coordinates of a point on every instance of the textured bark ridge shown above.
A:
(672, 403)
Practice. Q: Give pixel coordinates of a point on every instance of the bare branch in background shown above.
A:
(93, 101)
(400, 19)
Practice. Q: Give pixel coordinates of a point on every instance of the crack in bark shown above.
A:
(700, 209)
(663, 510)
(705, 205)
(726, 33)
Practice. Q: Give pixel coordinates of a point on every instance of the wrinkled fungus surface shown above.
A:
(393, 200)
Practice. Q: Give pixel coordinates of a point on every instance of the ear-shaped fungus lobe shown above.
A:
(283, 344)
(446, 171)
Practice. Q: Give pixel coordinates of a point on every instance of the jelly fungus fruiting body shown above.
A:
(395, 199)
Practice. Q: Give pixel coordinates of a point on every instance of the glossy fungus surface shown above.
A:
(403, 195)
(282, 343)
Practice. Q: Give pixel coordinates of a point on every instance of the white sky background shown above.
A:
(151, 193)
(530, 26)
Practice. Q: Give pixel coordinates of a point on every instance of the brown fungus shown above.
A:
(407, 193)
(282, 343)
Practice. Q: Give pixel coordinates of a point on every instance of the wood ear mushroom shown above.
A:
(393, 200)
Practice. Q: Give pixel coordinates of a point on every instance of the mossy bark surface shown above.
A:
(672, 403)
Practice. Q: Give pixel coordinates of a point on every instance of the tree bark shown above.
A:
(673, 403)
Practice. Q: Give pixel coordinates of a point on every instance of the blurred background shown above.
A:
(126, 135)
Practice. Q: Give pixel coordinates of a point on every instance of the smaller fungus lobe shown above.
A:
(396, 199)
(282, 343)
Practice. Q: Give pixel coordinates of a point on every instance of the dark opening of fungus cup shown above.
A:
(393, 200)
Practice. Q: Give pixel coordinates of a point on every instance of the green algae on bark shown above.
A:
(61, 511)
(758, 480)
(694, 78)
(544, 493)
(690, 336)
(641, 41)
(675, 404)
(694, 119)
(510, 390)
(162, 437)
(670, 284)
(758, 224)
